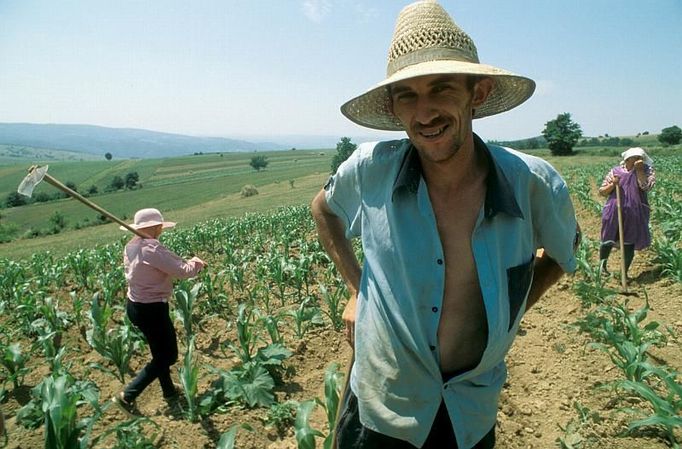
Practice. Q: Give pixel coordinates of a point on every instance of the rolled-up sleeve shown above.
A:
(555, 225)
(343, 195)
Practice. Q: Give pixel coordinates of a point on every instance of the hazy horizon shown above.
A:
(270, 68)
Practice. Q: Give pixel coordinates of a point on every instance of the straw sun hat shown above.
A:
(426, 41)
(146, 218)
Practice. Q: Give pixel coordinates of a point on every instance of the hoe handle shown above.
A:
(623, 279)
(87, 202)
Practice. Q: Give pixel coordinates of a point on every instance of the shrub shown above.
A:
(249, 190)
(258, 162)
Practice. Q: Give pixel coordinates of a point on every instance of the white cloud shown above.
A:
(316, 10)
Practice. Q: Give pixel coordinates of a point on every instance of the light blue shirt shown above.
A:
(381, 196)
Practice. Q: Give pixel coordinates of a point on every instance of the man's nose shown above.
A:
(425, 112)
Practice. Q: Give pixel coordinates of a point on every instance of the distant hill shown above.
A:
(121, 142)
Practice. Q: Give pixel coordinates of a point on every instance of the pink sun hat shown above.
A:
(146, 218)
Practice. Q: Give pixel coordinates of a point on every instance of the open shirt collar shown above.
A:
(499, 196)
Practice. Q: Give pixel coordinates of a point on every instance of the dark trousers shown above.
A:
(628, 253)
(155, 323)
(351, 434)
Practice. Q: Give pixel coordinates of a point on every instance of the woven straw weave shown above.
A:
(426, 41)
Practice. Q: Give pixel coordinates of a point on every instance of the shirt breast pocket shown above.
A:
(518, 283)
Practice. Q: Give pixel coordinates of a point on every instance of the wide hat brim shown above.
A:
(149, 224)
(373, 108)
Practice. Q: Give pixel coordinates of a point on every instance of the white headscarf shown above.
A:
(637, 151)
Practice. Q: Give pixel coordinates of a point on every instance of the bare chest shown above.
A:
(462, 329)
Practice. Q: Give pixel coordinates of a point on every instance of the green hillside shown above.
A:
(195, 188)
(19, 154)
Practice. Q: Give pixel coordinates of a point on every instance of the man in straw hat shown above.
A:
(450, 227)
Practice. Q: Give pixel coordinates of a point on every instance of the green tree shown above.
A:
(58, 222)
(42, 197)
(132, 179)
(107, 156)
(562, 134)
(671, 135)
(258, 162)
(117, 183)
(15, 199)
(344, 148)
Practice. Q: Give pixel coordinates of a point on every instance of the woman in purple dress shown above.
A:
(635, 176)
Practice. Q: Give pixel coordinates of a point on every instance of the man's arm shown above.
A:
(548, 272)
(331, 232)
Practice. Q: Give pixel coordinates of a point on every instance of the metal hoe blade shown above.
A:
(35, 175)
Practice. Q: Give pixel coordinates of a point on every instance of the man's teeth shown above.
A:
(433, 134)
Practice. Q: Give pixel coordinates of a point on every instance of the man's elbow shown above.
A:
(318, 206)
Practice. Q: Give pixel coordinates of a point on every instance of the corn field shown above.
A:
(261, 344)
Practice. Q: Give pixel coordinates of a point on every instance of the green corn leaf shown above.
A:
(305, 435)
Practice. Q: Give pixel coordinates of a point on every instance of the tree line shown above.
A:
(130, 181)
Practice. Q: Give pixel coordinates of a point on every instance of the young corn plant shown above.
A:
(271, 325)
(189, 379)
(77, 303)
(227, 439)
(131, 435)
(82, 266)
(247, 334)
(53, 354)
(100, 314)
(669, 257)
(51, 318)
(117, 345)
(112, 284)
(185, 298)
(334, 301)
(305, 316)
(121, 345)
(216, 301)
(60, 399)
(591, 290)
(14, 363)
(13, 275)
(305, 434)
(666, 409)
(263, 296)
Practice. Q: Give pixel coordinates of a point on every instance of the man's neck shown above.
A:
(465, 167)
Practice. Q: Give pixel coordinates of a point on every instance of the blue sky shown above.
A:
(269, 68)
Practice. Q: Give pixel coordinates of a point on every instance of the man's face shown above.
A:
(436, 111)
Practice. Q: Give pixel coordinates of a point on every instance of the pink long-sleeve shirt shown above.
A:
(150, 269)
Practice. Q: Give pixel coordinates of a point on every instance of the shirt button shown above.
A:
(433, 348)
(434, 309)
(439, 261)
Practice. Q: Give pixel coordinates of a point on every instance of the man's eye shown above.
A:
(404, 97)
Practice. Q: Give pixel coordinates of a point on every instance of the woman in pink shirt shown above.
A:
(150, 269)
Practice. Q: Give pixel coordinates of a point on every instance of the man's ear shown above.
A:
(482, 89)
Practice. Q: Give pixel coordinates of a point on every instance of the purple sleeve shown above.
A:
(650, 179)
